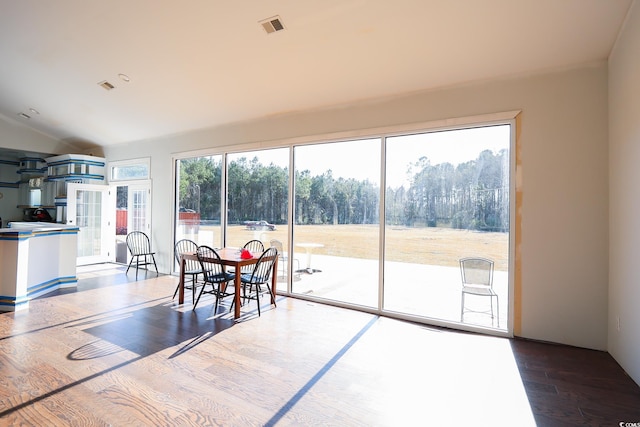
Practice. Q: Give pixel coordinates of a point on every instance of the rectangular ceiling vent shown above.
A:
(106, 85)
(272, 25)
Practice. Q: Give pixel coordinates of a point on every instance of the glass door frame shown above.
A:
(108, 223)
(507, 118)
(139, 185)
(501, 118)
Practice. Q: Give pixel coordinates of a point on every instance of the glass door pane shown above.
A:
(199, 195)
(88, 218)
(122, 220)
(88, 208)
(258, 202)
(447, 198)
(133, 213)
(138, 202)
(336, 231)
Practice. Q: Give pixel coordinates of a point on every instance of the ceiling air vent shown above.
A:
(106, 85)
(271, 25)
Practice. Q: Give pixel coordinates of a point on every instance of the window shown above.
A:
(129, 170)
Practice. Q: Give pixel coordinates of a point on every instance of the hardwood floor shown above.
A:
(120, 352)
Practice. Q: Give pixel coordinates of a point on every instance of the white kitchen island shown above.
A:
(35, 258)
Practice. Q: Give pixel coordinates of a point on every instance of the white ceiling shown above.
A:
(201, 63)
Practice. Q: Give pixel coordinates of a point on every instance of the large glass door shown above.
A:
(447, 198)
(90, 208)
(380, 223)
(257, 202)
(336, 231)
(198, 214)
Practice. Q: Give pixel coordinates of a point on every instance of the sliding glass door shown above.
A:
(258, 201)
(447, 198)
(198, 196)
(377, 223)
(337, 221)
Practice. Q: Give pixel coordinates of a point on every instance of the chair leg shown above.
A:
(194, 279)
(154, 264)
(130, 262)
(217, 293)
(233, 299)
(491, 302)
(257, 297)
(193, 288)
(497, 315)
(199, 295)
(271, 293)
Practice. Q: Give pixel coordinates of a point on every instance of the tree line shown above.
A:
(472, 195)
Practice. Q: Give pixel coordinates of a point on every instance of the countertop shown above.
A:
(17, 226)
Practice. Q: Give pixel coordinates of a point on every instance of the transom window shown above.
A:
(128, 170)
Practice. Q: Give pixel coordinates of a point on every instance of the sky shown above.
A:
(360, 159)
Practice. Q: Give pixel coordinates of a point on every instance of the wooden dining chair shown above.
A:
(260, 275)
(253, 246)
(192, 267)
(214, 275)
(140, 249)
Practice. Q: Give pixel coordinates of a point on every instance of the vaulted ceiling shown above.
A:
(200, 63)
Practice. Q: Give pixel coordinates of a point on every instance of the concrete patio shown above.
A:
(417, 289)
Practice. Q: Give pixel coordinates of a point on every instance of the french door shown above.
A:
(97, 209)
(91, 208)
(133, 213)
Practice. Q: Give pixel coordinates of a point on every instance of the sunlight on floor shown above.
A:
(484, 388)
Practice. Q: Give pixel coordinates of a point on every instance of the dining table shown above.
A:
(230, 257)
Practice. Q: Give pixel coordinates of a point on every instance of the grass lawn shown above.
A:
(433, 246)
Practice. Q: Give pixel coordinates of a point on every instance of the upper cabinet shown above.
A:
(76, 168)
(43, 182)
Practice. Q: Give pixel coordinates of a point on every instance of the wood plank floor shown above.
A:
(120, 352)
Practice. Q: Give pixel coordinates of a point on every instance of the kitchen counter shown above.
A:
(28, 225)
(35, 258)
(15, 226)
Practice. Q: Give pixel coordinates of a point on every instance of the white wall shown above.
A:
(565, 182)
(624, 177)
